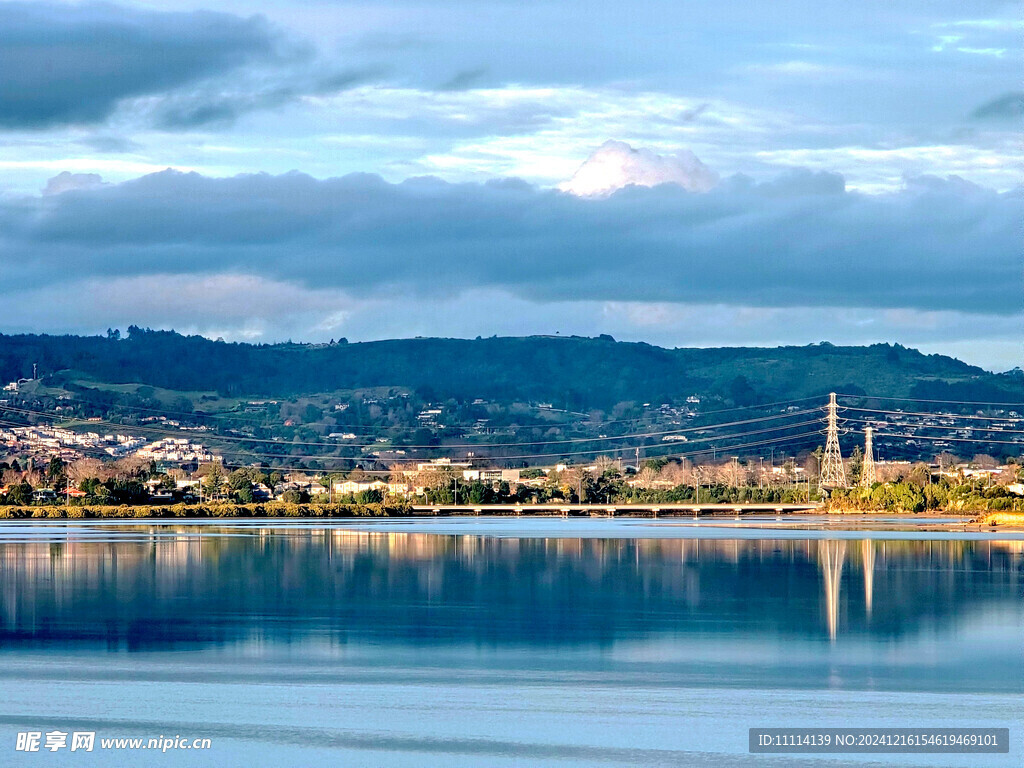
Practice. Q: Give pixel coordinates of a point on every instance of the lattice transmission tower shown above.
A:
(867, 471)
(833, 474)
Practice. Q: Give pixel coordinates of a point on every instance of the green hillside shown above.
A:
(575, 373)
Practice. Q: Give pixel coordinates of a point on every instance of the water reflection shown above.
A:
(867, 550)
(285, 585)
(831, 555)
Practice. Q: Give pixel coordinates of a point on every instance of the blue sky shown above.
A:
(684, 173)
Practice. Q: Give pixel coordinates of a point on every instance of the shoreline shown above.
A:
(985, 521)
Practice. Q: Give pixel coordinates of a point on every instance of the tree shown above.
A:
(211, 476)
(855, 464)
(239, 480)
(984, 461)
(645, 477)
(84, 469)
(920, 475)
(740, 391)
(55, 471)
(369, 496)
(19, 494)
(130, 468)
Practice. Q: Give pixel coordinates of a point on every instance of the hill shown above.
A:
(573, 372)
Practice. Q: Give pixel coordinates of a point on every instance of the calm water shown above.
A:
(503, 642)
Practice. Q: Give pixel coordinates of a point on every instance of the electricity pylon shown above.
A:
(867, 471)
(833, 474)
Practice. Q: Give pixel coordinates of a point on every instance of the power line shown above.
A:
(771, 441)
(924, 400)
(598, 451)
(584, 422)
(1003, 430)
(942, 438)
(935, 415)
(457, 446)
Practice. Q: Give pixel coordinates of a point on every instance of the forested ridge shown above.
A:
(569, 372)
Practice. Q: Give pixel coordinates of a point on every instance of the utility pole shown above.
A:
(867, 472)
(833, 474)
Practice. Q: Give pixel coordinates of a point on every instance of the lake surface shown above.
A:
(505, 642)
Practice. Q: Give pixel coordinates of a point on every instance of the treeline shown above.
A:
(574, 373)
(191, 511)
(613, 490)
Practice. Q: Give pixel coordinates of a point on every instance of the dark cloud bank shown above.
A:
(801, 240)
(65, 64)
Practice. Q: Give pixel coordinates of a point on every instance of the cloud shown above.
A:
(112, 144)
(248, 308)
(802, 240)
(214, 105)
(73, 64)
(463, 80)
(615, 165)
(886, 168)
(66, 181)
(236, 306)
(1009, 106)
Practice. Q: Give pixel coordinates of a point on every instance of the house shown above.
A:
(355, 486)
(492, 475)
(44, 495)
(441, 465)
(400, 489)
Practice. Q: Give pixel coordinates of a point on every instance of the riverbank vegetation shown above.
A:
(993, 519)
(935, 497)
(193, 511)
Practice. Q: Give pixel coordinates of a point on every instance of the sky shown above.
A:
(683, 173)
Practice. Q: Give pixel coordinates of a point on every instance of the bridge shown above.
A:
(612, 510)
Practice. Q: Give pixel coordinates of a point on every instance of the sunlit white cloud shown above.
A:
(616, 165)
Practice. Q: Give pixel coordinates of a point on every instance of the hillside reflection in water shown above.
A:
(178, 590)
